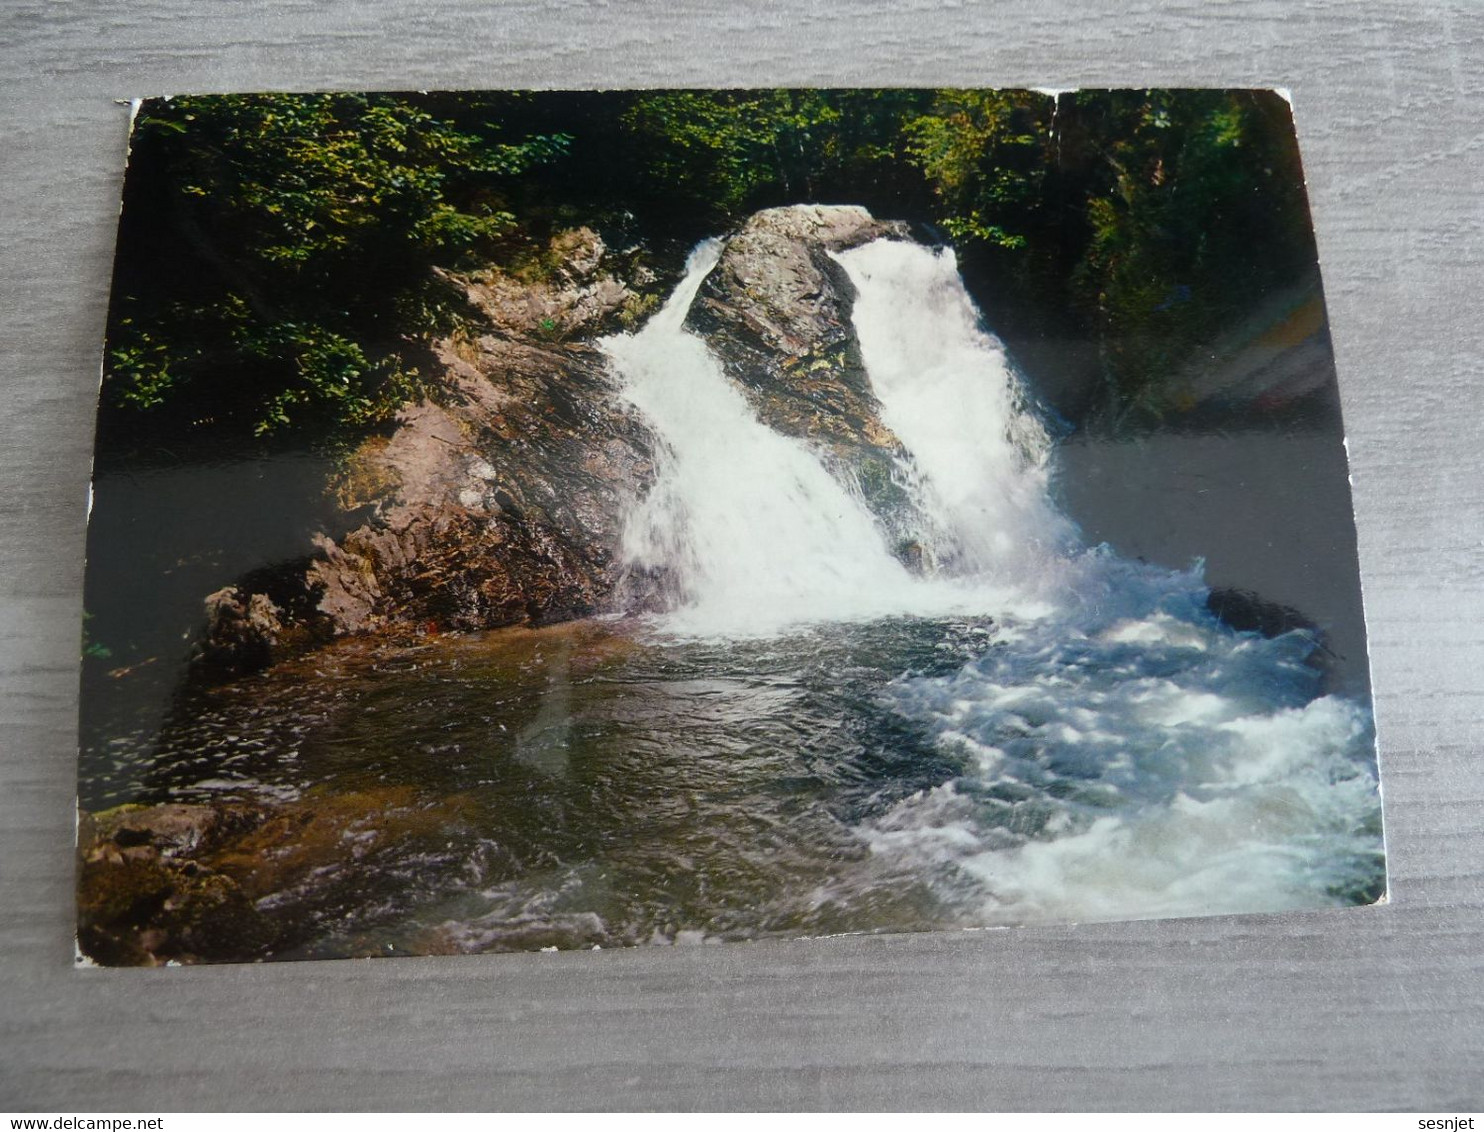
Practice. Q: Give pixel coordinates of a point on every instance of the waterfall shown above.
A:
(947, 391)
(809, 738)
(753, 533)
(1122, 752)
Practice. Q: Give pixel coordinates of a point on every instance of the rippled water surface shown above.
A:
(600, 783)
(581, 783)
(815, 737)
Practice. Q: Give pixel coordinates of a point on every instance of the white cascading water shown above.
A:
(946, 390)
(1125, 754)
(1160, 763)
(755, 532)
(758, 536)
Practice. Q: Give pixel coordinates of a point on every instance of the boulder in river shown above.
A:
(776, 312)
(145, 896)
(501, 499)
(496, 501)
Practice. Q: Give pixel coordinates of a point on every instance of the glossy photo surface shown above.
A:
(635, 518)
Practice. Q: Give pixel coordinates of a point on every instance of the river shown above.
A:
(815, 736)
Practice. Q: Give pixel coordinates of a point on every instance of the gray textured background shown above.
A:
(1368, 1008)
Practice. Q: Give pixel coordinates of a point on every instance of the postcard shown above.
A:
(530, 520)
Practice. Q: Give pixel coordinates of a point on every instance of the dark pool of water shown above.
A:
(582, 784)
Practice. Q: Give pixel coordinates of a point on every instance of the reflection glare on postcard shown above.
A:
(592, 519)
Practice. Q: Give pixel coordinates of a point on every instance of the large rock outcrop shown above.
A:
(501, 500)
(501, 505)
(498, 501)
(776, 311)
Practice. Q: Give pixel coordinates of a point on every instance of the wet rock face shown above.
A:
(776, 311)
(506, 503)
(145, 897)
(501, 500)
(179, 883)
(497, 502)
(579, 297)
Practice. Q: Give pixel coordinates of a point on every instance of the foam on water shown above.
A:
(1138, 758)
(1123, 752)
(946, 389)
(753, 530)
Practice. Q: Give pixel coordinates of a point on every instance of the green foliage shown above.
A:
(985, 153)
(278, 254)
(91, 649)
(711, 146)
(299, 233)
(1194, 207)
(734, 151)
